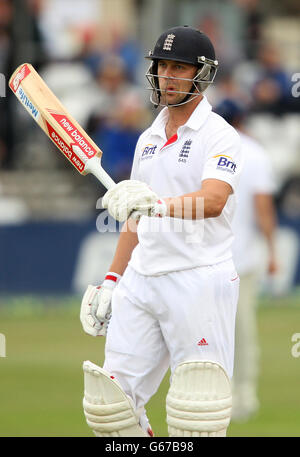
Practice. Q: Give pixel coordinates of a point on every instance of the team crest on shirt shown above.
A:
(148, 151)
(225, 163)
(185, 150)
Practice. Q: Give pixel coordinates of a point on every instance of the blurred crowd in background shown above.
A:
(91, 53)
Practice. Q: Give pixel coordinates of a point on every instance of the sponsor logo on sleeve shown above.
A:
(225, 163)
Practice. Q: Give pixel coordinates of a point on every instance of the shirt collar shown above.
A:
(199, 115)
(195, 121)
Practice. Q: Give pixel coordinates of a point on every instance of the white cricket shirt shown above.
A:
(205, 147)
(256, 178)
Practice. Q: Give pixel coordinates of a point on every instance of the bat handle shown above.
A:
(107, 182)
(103, 177)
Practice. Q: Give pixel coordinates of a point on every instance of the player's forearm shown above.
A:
(127, 242)
(195, 205)
(266, 218)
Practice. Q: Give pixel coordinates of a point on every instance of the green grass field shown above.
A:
(42, 382)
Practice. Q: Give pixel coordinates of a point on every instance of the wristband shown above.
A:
(111, 280)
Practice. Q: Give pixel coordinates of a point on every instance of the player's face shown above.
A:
(174, 90)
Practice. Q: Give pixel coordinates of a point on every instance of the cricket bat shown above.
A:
(62, 129)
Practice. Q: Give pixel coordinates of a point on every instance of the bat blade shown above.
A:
(63, 130)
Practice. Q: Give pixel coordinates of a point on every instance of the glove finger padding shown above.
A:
(95, 310)
(104, 304)
(118, 207)
(88, 310)
(127, 196)
(122, 188)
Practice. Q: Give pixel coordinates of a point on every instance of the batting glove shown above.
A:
(134, 198)
(95, 311)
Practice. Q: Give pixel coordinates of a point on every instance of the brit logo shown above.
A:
(148, 151)
(184, 153)
(226, 163)
(169, 42)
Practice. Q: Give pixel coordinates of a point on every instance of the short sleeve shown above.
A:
(135, 165)
(224, 160)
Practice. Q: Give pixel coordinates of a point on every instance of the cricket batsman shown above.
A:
(171, 294)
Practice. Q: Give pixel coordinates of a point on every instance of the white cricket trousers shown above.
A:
(161, 321)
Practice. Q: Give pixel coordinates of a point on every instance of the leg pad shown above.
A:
(108, 410)
(199, 400)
